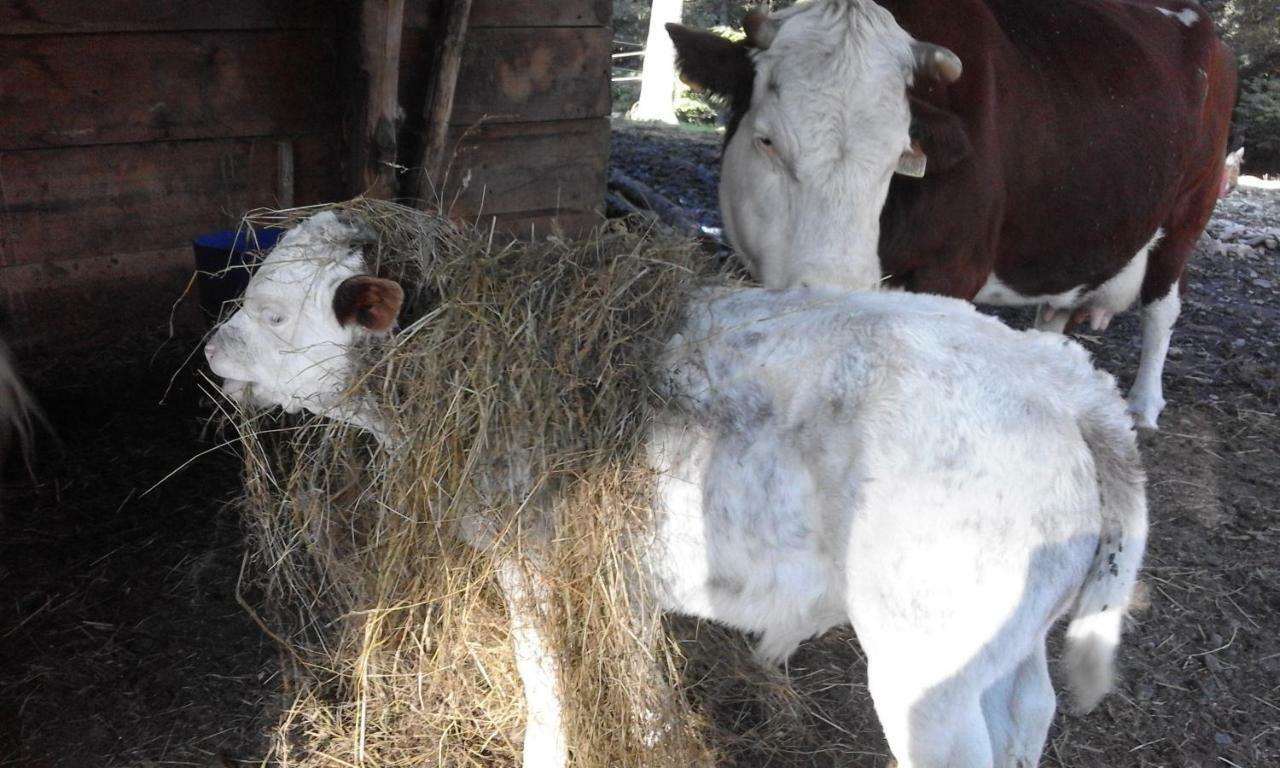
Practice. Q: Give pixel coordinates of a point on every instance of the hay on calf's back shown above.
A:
(519, 393)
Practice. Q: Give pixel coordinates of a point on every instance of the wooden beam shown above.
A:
(641, 195)
(86, 202)
(439, 105)
(373, 144)
(71, 17)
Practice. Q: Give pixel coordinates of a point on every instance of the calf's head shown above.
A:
(308, 305)
(819, 122)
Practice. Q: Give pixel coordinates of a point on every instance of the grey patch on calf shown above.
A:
(728, 586)
(747, 341)
(745, 410)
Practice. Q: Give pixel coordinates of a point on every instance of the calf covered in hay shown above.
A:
(949, 486)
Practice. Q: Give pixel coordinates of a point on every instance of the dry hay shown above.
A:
(520, 388)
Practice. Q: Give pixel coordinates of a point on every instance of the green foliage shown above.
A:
(623, 96)
(1258, 120)
(694, 107)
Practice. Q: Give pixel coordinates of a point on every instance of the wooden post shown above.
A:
(439, 104)
(373, 140)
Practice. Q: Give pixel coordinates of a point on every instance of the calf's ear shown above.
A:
(712, 63)
(370, 302)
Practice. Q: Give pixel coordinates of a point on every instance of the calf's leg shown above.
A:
(928, 723)
(523, 590)
(1019, 709)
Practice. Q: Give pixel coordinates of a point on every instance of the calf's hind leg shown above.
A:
(1019, 708)
(929, 724)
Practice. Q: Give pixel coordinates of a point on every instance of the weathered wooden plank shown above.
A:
(419, 14)
(519, 75)
(75, 202)
(70, 303)
(23, 17)
(37, 17)
(438, 107)
(517, 168)
(98, 89)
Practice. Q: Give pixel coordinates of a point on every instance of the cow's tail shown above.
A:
(18, 410)
(1100, 607)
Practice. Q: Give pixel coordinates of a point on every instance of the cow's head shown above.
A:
(308, 305)
(819, 122)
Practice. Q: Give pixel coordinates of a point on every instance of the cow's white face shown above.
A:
(290, 344)
(816, 138)
(806, 173)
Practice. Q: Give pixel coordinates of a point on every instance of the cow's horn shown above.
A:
(936, 62)
(760, 28)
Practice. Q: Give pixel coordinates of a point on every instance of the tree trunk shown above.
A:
(658, 80)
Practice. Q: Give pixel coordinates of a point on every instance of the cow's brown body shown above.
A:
(1092, 123)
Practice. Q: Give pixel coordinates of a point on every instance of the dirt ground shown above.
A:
(122, 643)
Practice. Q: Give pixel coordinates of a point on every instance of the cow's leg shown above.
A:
(1146, 396)
(1163, 282)
(928, 723)
(1019, 709)
(523, 591)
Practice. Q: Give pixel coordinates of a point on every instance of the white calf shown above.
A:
(900, 462)
(308, 303)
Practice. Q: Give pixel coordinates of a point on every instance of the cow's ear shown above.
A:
(939, 134)
(712, 63)
(370, 302)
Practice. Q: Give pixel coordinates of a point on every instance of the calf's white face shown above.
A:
(307, 306)
(824, 126)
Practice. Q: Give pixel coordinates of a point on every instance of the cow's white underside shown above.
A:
(1097, 306)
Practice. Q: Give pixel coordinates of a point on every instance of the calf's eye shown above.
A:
(274, 318)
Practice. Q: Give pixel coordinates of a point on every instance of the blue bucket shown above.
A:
(224, 262)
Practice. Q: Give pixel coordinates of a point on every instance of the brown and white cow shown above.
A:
(1073, 164)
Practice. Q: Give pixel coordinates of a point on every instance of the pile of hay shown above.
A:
(521, 390)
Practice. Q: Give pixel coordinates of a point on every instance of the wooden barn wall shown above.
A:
(127, 127)
(529, 136)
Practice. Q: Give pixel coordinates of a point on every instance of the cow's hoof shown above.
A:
(1145, 412)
